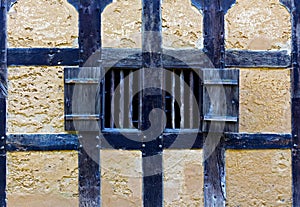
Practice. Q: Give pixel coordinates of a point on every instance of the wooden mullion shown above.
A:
(214, 159)
(151, 98)
(89, 153)
(214, 162)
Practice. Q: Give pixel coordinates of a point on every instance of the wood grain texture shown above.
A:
(213, 148)
(42, 142)
(89, 183)
(152, 98)
(220, 100)
(132, 58)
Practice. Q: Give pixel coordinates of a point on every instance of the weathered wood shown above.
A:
(132, 58)
(257, 141)
(252, 59)
(152, 98)
(89, 183)
(295, 12)
(130, 140)
(220, 100)
(213, 147)
(43, 56)
(42, 142)
(81, 88)
(214, 172)
(3, 99)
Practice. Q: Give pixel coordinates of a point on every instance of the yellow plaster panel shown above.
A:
(42, 23)
(35, 100)
(37, 177)
(183, 178)
(258, 178)
(265, 100)
(258, 25)
(121, 177)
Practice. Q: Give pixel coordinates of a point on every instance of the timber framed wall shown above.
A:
(213, 47)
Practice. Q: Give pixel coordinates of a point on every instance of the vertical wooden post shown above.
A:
(295, 11)
(89, 167)
(3, 96)
(214, 164)
(213, 32)
(152, 98)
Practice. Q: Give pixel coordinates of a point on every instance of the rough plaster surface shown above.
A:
(36, 106)
(183, 178)
(121, 173)
(258, 25)
(258, 178)
(265, 100)
(42, 179)
(45, 23)
(35, 101)
(182, 24)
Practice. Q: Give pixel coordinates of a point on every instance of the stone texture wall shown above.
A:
(254, 178)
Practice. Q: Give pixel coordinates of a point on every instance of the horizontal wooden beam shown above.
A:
(132, 58)
(42, 56)
(252, 59)
(41, 142)
(258, 141)
(130, 141)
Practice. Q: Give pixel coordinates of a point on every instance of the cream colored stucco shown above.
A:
(258, 25)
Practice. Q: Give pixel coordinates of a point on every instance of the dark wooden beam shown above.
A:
(214, 153)
(152, 98)
(3, 99)
(43, 56)
(132, 58)
(295, 12)
(89, 183)
(41, 142)
(252, 59)
(257, 141)
(113, 139)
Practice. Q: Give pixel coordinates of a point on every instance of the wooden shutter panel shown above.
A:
(220, 100)
(81, 93)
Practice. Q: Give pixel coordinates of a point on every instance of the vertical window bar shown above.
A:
(103, 102)
(191, 105)
(121, 101)
(112, 104)
(182, 105)
(173, 100)
(130, 99)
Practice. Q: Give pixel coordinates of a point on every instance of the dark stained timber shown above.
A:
(257, 141)
(43, 56)
(152, 98)
(295, 12)
(170, 140)
(89, 153)
(132, 58)
(269, 59)
(214, 157)
(41, 142)
(3, 99)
